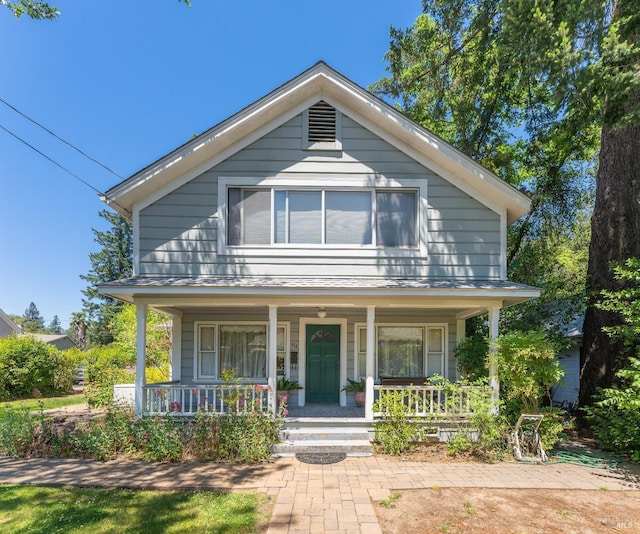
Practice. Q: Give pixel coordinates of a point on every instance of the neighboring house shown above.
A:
(320, 234)
(7, 326)
(60, 341)
(567, 390)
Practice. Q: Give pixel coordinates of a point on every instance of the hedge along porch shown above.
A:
(319, 336)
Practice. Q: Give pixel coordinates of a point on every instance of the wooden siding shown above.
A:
(178, 233)
(292, 316)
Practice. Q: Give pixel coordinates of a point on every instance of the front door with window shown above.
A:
(323, 363)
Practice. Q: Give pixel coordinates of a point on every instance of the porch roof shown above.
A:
(129, 289)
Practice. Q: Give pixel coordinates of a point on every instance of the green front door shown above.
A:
(323, 363)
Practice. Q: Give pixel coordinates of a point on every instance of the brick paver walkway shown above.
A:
(316, 498)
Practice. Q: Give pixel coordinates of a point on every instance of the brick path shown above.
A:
(316, 498)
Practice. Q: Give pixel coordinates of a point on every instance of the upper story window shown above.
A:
(380, 218)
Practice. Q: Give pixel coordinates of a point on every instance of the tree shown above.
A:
(32, 321)
(112, 262)
(40, 10)
(54, 326)
(526, 88)
(461, 71)
(78, 329)
(35, 10)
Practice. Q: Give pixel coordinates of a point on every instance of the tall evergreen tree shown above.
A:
(32, 321)
(54, 326)
(525, 88)
(112, 262)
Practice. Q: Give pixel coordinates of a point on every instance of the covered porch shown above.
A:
(317, 334)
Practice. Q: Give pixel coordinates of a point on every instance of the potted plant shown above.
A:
(357, 387)
(285, 385)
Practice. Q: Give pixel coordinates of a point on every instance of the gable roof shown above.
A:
(9, 322)
(318, 82)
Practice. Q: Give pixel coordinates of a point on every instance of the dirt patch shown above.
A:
(478, 510)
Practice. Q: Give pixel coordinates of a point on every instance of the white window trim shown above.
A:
(216, 324)
(335, 145)
(425, 350)
(342, 182)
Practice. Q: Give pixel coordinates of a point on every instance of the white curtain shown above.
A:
(243, 348)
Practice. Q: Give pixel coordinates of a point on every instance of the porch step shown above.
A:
(350, 440)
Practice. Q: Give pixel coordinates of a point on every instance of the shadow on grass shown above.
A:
(69, 510)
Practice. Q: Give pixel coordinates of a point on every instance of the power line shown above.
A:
(61, 167)
(61, 139)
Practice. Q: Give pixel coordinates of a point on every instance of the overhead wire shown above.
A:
(50, 159)
(61, 139)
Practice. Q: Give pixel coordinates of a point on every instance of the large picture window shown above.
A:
(369, 217)
(404, 350)
(241, 347)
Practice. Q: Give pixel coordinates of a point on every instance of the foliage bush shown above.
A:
(615, 416)
(471, 357)
(396, 432)
(242, 437)
(106, 365)
(527, 369)
(27, 364)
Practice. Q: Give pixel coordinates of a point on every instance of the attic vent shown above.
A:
(322, 123)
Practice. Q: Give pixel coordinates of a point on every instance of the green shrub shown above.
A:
(156, 439)
(27, 364)
(106, 366)
(615, 416)
(551, 428)
(396, 432)
(471, 357)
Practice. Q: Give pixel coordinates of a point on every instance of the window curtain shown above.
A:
(400, 351)
(243, 348)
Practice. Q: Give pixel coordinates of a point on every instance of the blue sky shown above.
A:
(129, 82)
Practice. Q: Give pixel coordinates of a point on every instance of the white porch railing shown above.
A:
(180, 400)
(434, 402)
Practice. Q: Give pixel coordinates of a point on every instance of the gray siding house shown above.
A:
(7, 326)
(317, 234)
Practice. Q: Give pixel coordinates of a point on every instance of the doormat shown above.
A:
(321, 458)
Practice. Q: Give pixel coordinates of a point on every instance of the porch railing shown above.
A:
(180, 400)
(434, 402)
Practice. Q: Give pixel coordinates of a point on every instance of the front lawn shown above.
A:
(44, 403)
(40, 509)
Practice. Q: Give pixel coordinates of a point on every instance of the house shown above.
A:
(59, 341)
(7, 326)
(319, 234)
(565, 392)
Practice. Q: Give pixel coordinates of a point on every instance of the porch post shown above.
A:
(176, 347)
(272, 364)
(461, 334)
(494, 318)
(141, 356)
(371, 364)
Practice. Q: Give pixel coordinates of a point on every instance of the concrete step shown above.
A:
(324, 433)
(350, 447)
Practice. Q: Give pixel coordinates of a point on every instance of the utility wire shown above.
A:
(62, 167)
(61, 139)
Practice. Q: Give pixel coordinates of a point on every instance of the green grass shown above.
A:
(39, 509)
(48, 403)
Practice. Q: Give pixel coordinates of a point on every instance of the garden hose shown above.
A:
(595, 462)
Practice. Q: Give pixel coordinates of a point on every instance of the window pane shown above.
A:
(234, 227)
(362, 352)
(348, 217)
(305, 217)
(206, 352)
(434, 364)
(280, 218)
(256, 214)
(400, 351)
(396, 218)
(243, 348)
(435, 340)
